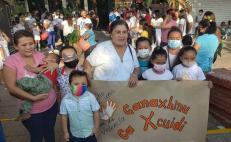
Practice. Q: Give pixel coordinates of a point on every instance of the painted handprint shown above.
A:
(108, 111)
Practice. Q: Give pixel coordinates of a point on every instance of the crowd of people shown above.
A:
(144, 45)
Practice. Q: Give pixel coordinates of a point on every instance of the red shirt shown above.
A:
(52, 76)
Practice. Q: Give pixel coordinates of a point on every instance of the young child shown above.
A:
(89, 35)
(187, 40)
(69, 57)
(188, 69)
(52, 57)
(81, 109)
(36, 32)
(159, 71)
(40, 84)
(144, 50)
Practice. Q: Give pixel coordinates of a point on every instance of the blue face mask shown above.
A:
(174, 43)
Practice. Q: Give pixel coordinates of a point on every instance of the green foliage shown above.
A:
(18, 8)
(73, 37)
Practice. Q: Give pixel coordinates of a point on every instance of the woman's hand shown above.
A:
(40, 97)
(35, 69)
(133, 80)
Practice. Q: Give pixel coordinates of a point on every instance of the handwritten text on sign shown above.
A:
(166, 111)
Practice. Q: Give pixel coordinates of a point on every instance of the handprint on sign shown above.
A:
(108, 111)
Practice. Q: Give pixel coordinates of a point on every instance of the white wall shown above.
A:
(221, 8)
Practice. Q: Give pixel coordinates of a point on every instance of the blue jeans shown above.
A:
(51, 40)
(41, 125)
(88, 139)
(2, 137)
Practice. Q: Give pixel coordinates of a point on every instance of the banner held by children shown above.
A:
(160, 111)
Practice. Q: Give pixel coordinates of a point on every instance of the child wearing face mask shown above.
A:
(159, 71)
(69, 57)
(144, 50)
(188, 69)
(173, 47)
(81, 110)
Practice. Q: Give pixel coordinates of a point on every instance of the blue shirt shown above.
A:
(91, 38)
(208, 45)
(144, 65)
(80, 113)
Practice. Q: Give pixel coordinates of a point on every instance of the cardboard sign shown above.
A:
(154, 111)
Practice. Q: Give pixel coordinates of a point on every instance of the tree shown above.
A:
(176, 3)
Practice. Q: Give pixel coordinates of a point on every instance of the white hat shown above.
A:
(88, 21)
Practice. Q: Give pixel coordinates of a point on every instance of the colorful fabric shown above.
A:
(78, 90)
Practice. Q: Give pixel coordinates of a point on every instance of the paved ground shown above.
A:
(7, 103)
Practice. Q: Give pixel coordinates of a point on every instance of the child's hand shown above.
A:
(50, 67)
(210, 84)
(66, 136)
(95, 131)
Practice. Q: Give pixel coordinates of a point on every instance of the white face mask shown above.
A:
(187, 63)
(143, 53)
(159, 68)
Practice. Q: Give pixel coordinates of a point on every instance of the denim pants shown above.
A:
(2, 137)
(88, 139)
(41, 125)
(51, 40)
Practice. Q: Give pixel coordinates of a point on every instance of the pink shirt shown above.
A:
(17, 63)
(164, 32)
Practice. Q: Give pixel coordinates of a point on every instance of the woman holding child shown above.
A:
(44, 109)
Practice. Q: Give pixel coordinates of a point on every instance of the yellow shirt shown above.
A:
(144, 34)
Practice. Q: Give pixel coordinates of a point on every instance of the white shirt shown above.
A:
(157, 23)
(191, 73)
(81, 23)
(171, 59)
(149, 74)
(183, 26)
(107, 64)
(190, 20)
(18, 27)
(133, 21)
(67, 29)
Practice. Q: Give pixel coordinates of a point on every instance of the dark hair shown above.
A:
(187, 40)
(201, 10)
(175, 29)
(211, 15)
(56, 56)
(157, 13)
(211, 27)
(158, 51)
(78, 73)
(182, 10)
(170, 10)
(141, 39)
(117, 23)
(183, 50)
(66, 47)
(22, 33)
(146, 27)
